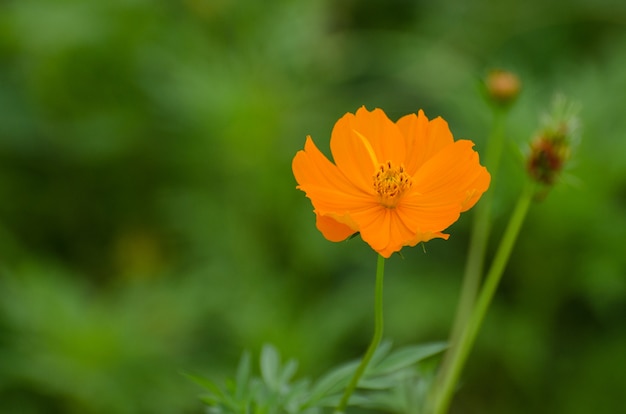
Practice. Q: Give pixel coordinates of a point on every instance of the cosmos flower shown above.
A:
(397, 184)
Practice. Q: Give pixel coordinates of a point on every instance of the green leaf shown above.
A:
(287, 372)
(382, 382)
(243, 376)
(407, 356)
(206, 384)
(381, 352)
(356, 399)
(329, 400)
(333, 381)
(383, 401)
(296, 396)
(270, 366)
(338, 378)
(210, 400)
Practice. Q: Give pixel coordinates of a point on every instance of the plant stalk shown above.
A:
(378, 334)
(481, 227)
(468, 335)
(479, 237)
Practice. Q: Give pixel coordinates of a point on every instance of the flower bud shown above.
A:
(552, 145)
(548, 154)
(502, 86)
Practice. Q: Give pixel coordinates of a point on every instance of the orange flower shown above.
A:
(397, 184)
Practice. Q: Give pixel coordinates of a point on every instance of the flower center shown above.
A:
(391, 183)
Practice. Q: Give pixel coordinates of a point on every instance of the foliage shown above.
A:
(394, 382)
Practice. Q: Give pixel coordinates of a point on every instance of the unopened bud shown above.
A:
(548, 154)
(552, 146)
(502, 86)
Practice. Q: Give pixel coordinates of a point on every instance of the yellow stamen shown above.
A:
(391, 183)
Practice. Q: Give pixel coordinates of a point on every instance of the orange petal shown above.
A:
(332, 229)
(445, 185)
(482, 179)
(399, 234)
(323, 183)
(416, 223)
(424, 237)
(332, 195)
(374, 226)
(424, 138)
(361, 142)
(383, 230)
(420, 222)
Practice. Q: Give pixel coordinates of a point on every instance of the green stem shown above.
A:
(468, 335)
(378, 334)
(478, 244)
(480, 230)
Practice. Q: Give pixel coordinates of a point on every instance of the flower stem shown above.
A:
(468, 335)
(378, 334)
(481, 228)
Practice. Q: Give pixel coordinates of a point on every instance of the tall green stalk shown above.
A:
(459, 353)
(378, 335)
(481, 227)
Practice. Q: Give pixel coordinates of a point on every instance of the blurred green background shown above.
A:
(149, 221)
